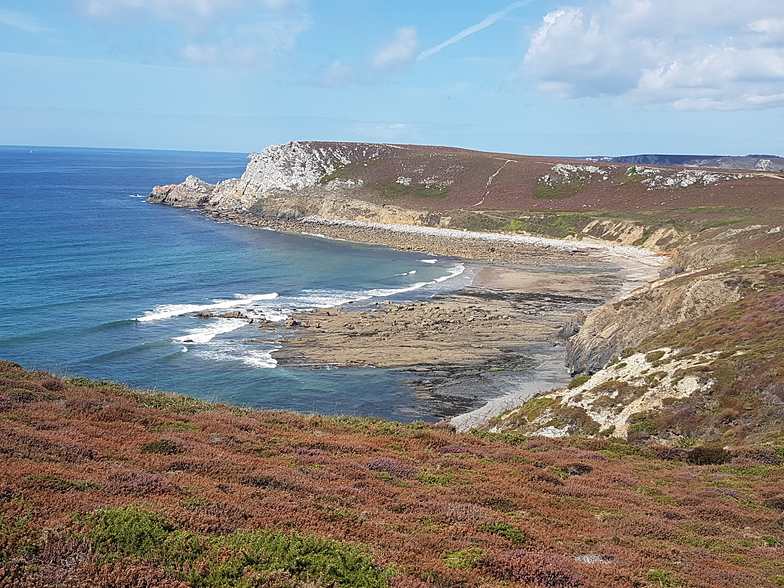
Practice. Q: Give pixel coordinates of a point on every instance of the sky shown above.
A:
(536, 77)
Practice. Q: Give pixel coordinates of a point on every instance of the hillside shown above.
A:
(721, 229)
(106, 486)
(438, 179)
(660, 465)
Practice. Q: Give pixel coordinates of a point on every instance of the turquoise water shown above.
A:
(96, 282)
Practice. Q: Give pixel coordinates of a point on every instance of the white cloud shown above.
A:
(401, 52)
(701, 54)
(256, 46)
(245, 33)
(22, 21)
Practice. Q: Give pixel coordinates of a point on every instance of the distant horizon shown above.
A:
(247, 153)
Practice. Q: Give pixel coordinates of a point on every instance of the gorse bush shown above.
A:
(708, 455)
(241, 559)
(162, 447)
(129, 531)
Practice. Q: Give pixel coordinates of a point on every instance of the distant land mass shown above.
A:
(755, 161)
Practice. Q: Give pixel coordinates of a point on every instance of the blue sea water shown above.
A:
(96, 282)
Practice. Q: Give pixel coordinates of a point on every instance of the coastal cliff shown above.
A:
(713, 224)
(612, 328)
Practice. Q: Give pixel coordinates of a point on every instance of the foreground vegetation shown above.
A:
(102, 485)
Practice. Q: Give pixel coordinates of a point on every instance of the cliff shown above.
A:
(714, 224)
(612, 328)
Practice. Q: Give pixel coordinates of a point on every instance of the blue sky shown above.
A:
(540, 77)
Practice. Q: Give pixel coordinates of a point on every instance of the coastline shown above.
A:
(525, 291)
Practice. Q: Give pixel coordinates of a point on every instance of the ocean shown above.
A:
(96, 282)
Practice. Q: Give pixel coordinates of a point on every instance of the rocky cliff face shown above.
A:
(612, 328)
(693, 289)
(278, 169)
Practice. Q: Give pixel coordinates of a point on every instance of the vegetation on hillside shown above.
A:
(102, 485)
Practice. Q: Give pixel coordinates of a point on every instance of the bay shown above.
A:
(96, 282)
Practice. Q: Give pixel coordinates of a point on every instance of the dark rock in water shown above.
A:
(234, 314)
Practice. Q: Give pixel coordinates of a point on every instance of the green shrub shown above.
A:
(52, 482)
(579, 381)
(162, 447)
(505, 530)
(662, 578)
(463, 559)
(177, 426)
(230, 560)
(708, 455)
(433, 479)
(129, 531)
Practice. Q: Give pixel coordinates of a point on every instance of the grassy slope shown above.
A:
(105, 486)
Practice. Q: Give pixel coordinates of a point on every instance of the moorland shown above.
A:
(658, 465)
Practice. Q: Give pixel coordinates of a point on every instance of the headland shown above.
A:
(576, 262)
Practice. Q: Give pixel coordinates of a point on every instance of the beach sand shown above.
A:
(472, 354)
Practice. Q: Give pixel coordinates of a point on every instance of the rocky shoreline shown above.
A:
(469, 354)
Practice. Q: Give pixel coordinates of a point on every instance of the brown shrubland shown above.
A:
(441, 508)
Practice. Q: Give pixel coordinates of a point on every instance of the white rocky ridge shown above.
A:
(654, 379)
(566, 173)
(658, 178)
(288, 168)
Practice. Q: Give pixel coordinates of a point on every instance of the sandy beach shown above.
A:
(476, 352)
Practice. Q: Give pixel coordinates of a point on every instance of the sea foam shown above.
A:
(166, 311)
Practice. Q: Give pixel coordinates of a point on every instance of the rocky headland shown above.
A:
(708, 226)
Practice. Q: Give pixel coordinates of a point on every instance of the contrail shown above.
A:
(472, 29)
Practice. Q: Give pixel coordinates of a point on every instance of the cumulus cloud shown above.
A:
(246, 33)
(702, 54)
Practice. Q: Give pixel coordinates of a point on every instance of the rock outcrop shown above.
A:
(612, 328)
(278, 169)
(192, 193)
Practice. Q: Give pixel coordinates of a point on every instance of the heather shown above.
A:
(102, 485)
